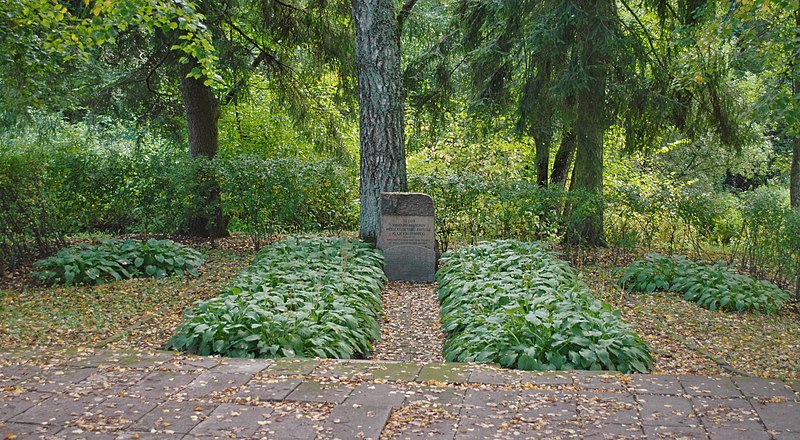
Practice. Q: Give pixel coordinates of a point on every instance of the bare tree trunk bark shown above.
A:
(588, 178)
(201, 121)
(563, 160)
(586, 225)
(201, 113)
(543, 138)
(794, 177)
(380, 98)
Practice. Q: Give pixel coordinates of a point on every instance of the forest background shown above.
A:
(651, 125)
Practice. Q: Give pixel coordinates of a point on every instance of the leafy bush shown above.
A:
(269, 196)
(308, 296)
(515, 304)
(113, 260)
(47, 195)
(712, 286)
(28, 228)
(769, 244)
(471, 207)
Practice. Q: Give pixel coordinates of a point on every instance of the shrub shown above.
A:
(308, 296)
(515, 304)
(86, 188)
(471, 207)
(113, 260)
(156, 189)
(269, 196)
(712, 286)
(769, 245)
(27, 225)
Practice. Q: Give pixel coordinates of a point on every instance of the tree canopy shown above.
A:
(558, 93)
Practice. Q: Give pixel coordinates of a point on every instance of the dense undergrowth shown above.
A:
(515, 304)
(59, 178)
(306, 296)
(757, 229)
(712, 286)
(48, 195)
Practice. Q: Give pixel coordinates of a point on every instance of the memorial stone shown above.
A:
(407, 237)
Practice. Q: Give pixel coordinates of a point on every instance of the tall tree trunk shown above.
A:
(563, 160)
(201, 121)
(380, 98)
(536, 113)
(586, 226)
(201, 113)
(794, 179)
(543, 138)
(566, 151)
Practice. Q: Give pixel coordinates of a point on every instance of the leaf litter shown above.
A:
(410, 330)
(685, 338)
(142, 313)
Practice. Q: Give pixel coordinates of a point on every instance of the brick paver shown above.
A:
(75, 394)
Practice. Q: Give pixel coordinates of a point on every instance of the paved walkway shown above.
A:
(124, 395)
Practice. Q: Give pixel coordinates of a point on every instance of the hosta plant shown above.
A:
(111, 260)
(305, 297)
(515, 304)
(715, 286)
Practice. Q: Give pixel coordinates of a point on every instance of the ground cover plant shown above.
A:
(515, 304)
(715, 286)
(134, 313)
(302, 296)
(113, 260)
(688, 339)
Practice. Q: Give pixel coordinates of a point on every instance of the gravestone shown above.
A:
(407, 237)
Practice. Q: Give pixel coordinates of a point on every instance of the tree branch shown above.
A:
(286, 5)
(405, 11)
(646, 33)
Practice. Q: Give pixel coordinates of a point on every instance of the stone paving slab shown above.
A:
(173, 417)
(93, 394)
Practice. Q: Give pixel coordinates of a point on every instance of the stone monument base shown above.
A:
(407, 237)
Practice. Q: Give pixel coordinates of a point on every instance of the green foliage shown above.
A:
(59, 178)
(264, 197)
(302, 296)
(470, 207)
(715, 286)
(515, 304)
(113, 260)
(769, 242)
(27, 226)
(51, 40)
(673, 215)
(309, 127)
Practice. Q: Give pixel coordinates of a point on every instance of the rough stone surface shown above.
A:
(232, 421)
(710, 386)
(175, 417)
(758, 387)
(655, 384)
(407, 237)
(273, 399)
